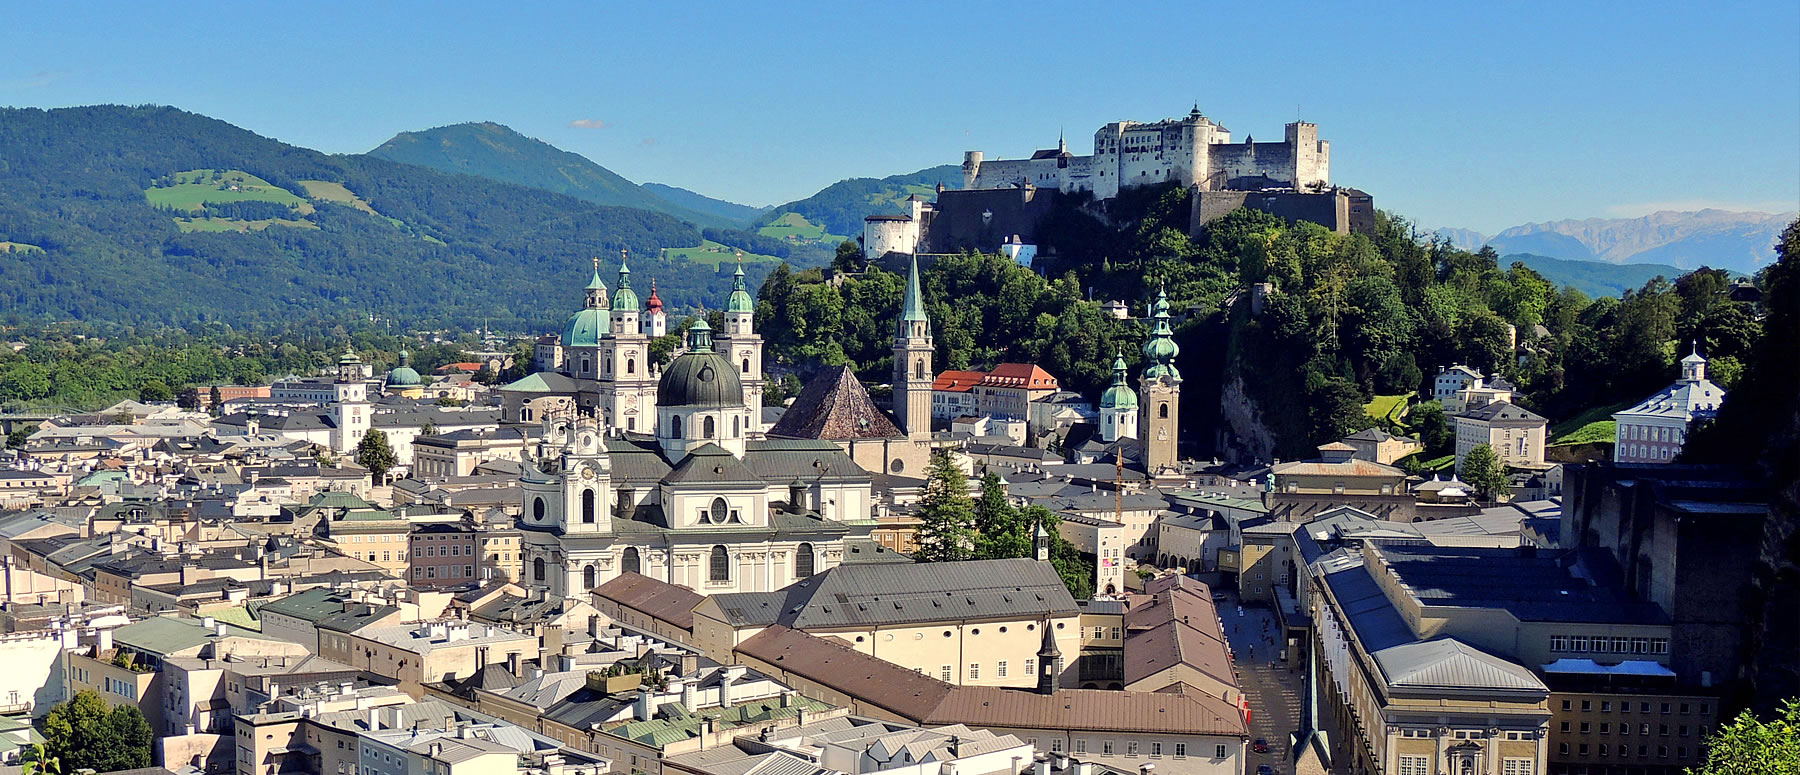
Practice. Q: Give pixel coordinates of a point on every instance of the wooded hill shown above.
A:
(128, 215)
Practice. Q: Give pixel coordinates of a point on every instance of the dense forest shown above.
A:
(1345, 318)
(413, 244)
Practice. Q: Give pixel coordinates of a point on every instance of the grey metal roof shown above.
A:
(863, 595)
(1447, 663)
(1504, 410)
(711, 464)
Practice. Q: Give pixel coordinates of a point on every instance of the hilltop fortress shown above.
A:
(1193, 151)
(1002, 202)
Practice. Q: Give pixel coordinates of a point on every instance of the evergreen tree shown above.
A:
(946, 514)
(1002, 531)
(374, 454)
(217, 401)
(1481, 470)
(1748, 746)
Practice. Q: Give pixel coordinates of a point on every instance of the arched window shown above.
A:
(587, 505)
(734, 427)
(1162, 411)
(537, 508)
(630, 562)
(524, 414)
(537, 569)
(630, 365)
(674, 426)
(918, 369)
(588, 578)
(719, 511)
(711, 428)
(746, 365)
(803, 561)
(720, 569)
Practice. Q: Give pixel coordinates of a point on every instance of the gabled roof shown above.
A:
(1020, 375)
(957, 381)
(834, 405)
(665, 601)
(1504, 411)
(544, 382)
(860, 595)
(711, 464)
(1451, 664)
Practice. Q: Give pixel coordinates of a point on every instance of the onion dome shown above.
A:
(1161, 350)
(404, 376)
(740, 300)
(1119, 395)
(654, 303)
(625, 299)
(700, 377)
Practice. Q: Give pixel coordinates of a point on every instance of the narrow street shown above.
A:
(1271, 686)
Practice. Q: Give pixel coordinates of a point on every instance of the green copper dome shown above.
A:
(585, 328)
(740, 300)
(1161, 350)
(404, 375)
(1120, 395)
(625, 299)
(700, 377)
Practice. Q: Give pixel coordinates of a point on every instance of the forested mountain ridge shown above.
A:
(379, 237)
(706, 205)
(495, 151)
(841, 206)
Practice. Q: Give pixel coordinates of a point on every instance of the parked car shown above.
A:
(1260, 746)
(1264, 769)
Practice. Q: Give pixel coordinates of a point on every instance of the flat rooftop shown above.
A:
(1532, 586)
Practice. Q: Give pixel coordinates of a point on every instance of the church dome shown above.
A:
(740, 300)
(404, 375)
(585, 328)
(700, 377)
(1119, 395)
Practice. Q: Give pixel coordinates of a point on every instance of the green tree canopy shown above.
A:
(1481, 470)
(83, 733)
(374, 453)
(1747, 745)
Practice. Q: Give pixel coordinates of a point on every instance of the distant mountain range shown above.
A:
(1722, 239)
(1594, 278)
(490, 150)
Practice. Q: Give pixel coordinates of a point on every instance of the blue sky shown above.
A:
(1450, 114)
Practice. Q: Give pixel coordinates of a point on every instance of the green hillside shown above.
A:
(1594, 278)
(840, 207)
(493, 151)
(705, 205)
(112, 215)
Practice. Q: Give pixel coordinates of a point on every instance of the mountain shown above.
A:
(705, 205)
(1740, 241)
(152, 215)
(840, 207)
(1461, 239)
(494, 151)
(1594, 278)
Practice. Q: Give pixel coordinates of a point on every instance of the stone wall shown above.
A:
(981, 219)
(1331, 209)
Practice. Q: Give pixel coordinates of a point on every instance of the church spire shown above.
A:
(596, 289)
(624, 299)
(912, 308)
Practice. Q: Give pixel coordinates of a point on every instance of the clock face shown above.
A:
(588, 472)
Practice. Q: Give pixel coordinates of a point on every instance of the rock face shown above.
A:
(1242, 433)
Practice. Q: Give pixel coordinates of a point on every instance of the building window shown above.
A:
(1131, 748)
(630, 562)
(1000, 669)
(1218, 751)
(587, 506)
(720, 512)
(1080, 745)
(803, 561)
(674, 426)
(1030, 667)
(1156, 750)
(1415, 765)
(1106, 748)
(537, 508)
(537, 569)
(735, 430)
(721, 563)
(589, 578)
(1515, 767)
(746, 365)
(974, 671)
(711, 428)
(944, 674)
(630, 365)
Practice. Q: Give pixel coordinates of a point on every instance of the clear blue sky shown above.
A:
(1450, 114)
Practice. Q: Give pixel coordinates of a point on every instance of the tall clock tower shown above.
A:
(912, 362)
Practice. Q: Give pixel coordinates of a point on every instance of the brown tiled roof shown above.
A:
(1351, 467)
(834, 405)
(1174, 643)
(1178, 605)
(1096, 710)
(831, 662)
(665, 601)
(921, 699)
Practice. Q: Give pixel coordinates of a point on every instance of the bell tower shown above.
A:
(912, 362)
(1160, 405)
(743, 346)
(350, 405)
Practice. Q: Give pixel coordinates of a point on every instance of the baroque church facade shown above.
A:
(669, 472)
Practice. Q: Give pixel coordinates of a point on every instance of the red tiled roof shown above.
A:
(665, 601)
(1022, 375)
(459, 367)
(957, 381)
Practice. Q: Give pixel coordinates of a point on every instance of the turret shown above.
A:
(625, 307)
(741, 345)
(596, 290)
(1050, 664)
(1118, 406)
(740, 308)
(656, 321)
(1693, 367)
